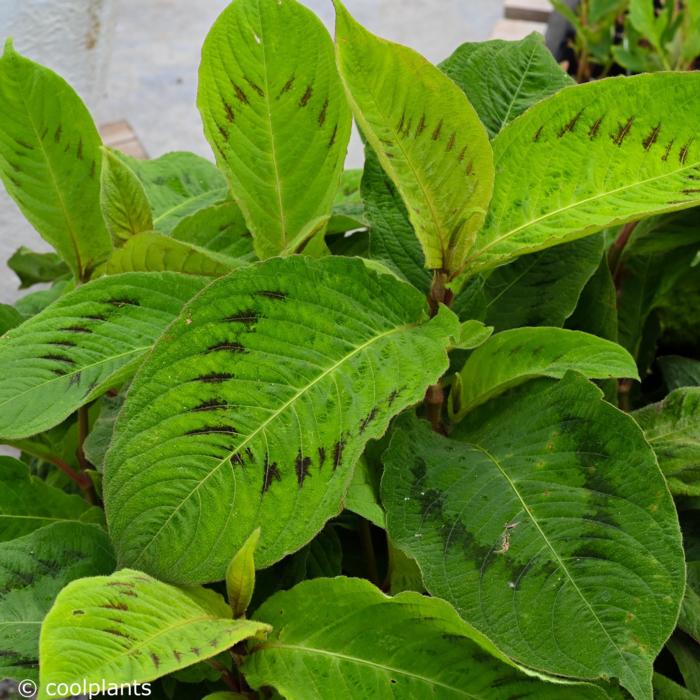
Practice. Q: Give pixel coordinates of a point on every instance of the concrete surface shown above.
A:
(152, 79)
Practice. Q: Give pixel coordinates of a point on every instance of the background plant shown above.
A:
(407, 432)
(633, 36)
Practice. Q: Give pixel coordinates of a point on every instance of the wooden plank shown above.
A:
(515, 29)
(528, 10)
(121, 136)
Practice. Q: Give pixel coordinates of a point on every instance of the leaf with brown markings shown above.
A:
(275, 114)
(590, 157)
(262, 397)
(130, 628)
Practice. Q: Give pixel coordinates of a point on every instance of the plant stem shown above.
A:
(434, 401)
(81, 480)
(617, 249)
(368, 549)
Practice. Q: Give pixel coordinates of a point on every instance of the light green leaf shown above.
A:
(50, 161)
(275, 114)
(156, 252)
(178, 185)
(541, 289)
(34, 268)
(348, 207)
(28, 503)
(405, 647)
(427, 136)
(240, 575)
(33, 569)
(672, 428)
(514, 356)
(86, 342)
(130, 628)
(125, 208)
(504, 78)
(472, 335)
(262, 396)
(603, 153)
(679, 371)
(666, 689)
(220, 228)
(545, 520)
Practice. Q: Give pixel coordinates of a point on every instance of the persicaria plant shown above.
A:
(411, 432)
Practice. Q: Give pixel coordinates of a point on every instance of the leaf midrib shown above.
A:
(581, 202)
(366, 662)
(261, 428)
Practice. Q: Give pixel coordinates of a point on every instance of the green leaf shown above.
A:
(666, 689)
(409, 646)
(28, 503)
(34, 268)
(220, 228)
(679, 371)
(178, 185)
(274, 112)
(156, 252)
(50, 161)
(514, 356)
(125, 208)
(97, 442)
(86, 342)
(547, 523)
(686, 653)
(240, 575)
(672, 428)
(276, 377)
(348, 207)
(363, 495)
(504, 78)
(596, 311)
(130, 628)
(603, 153)
(541, 289)
(33, 569)
(472, 335)
(427, 136)
(9, 318)
(392, 239)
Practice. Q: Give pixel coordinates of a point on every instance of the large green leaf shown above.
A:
(50, 161)
(672, 428)
(177, 185)
(548, 524)
(274, 112)
(427, 136)
(345, 633)
(125, 207)
(130, 628)
(261, 398)
(504, 78)
(514, 356)
(28, 503)
(541, 289)
(591, 156)
(83, 344)
(33, 569)
(155, 252)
